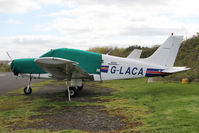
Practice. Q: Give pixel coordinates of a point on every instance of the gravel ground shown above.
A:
(87, 118)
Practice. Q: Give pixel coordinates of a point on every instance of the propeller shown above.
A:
(10, 58)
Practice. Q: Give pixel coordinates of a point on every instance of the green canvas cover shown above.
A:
(26, 65)
(88, 61)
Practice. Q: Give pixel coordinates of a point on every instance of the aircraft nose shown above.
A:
(12, 67)
(24, 66)
(9, 63)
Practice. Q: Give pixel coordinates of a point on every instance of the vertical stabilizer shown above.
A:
(166, 54)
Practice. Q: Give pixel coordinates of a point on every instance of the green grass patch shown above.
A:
(155, 107)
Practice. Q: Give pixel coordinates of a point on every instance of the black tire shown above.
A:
(27, 91)
(80, 88)
(73, 92)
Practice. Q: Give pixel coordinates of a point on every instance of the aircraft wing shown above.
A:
(175, 69)
(60, 68)
(135, 54)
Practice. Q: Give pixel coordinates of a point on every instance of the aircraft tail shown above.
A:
(166, 54)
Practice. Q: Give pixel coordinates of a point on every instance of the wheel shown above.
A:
(73, 92)
(27, 90)
(80, 87)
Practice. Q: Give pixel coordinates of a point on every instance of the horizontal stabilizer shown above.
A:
(175, 69)
(135, 54)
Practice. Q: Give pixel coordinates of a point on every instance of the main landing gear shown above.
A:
(80, 87)
(28, 89)
(73, 87)
(74, 90)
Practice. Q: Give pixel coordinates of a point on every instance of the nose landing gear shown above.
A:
(28, 89)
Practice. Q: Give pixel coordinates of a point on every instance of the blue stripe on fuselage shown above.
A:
(152, 72)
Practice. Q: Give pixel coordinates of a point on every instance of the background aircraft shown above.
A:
(76, 66)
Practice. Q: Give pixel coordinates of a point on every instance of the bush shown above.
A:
(4, 68)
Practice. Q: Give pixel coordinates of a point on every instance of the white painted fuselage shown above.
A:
(125, 68)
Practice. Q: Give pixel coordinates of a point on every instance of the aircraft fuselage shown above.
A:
(102, 67)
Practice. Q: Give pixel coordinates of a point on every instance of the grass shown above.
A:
(158, 107)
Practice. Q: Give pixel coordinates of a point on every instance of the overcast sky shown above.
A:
(29, 28)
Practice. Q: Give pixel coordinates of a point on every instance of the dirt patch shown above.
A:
(57, 93)
(88, 118)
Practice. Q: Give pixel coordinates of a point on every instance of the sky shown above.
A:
(29, 28)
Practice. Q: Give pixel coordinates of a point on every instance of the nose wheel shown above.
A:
(27, 90)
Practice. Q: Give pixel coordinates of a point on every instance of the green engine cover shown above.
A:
(26, 65)
(88, 61)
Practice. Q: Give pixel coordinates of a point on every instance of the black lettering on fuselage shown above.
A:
(134, 70)
(127, 71)
(140, 72)
(113, 69)
(121, 70)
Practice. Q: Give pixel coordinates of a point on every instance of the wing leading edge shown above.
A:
(60, 68)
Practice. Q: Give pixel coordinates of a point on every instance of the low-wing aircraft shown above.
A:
(75, 66)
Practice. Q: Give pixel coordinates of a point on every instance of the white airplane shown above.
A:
(76, 66)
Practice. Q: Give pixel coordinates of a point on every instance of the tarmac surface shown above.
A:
(9, 82)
